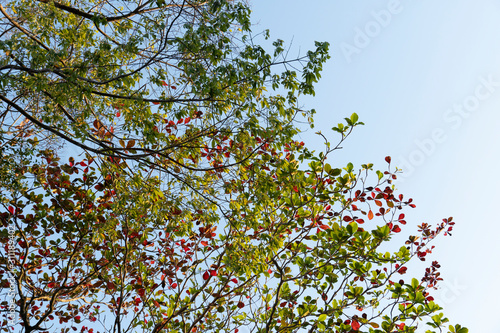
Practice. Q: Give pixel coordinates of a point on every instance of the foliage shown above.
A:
(188, 204)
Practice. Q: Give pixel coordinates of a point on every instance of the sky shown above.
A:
(424, 76)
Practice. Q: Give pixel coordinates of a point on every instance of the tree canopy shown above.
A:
(151, 181)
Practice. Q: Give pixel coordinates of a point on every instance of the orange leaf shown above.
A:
(370, 215)
(131, 143)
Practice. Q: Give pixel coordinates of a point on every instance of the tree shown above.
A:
(188, 204)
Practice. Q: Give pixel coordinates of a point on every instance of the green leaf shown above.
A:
(334, 172)
(354, 118)
(352, 228)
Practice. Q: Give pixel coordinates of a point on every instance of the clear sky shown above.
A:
(424, 76)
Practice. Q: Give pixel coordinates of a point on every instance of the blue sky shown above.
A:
(425, 79)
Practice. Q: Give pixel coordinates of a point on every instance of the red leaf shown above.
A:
(388, 159)
(213, 272)
(234, 280)
(347, 218)
(204, 243)
(396, 229)
(355, 325)
(156, 103)
(402, 270)
(360, 221)
(206, 276)
(118, 114)
(401, 216)
(269, 271)
(241, 305)
(324, 227)
(51, 285)
(370, 215)
(295, 189)
(174, 285)
(173, 87)
(187, 120)
(163, 83)
(11, 209)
